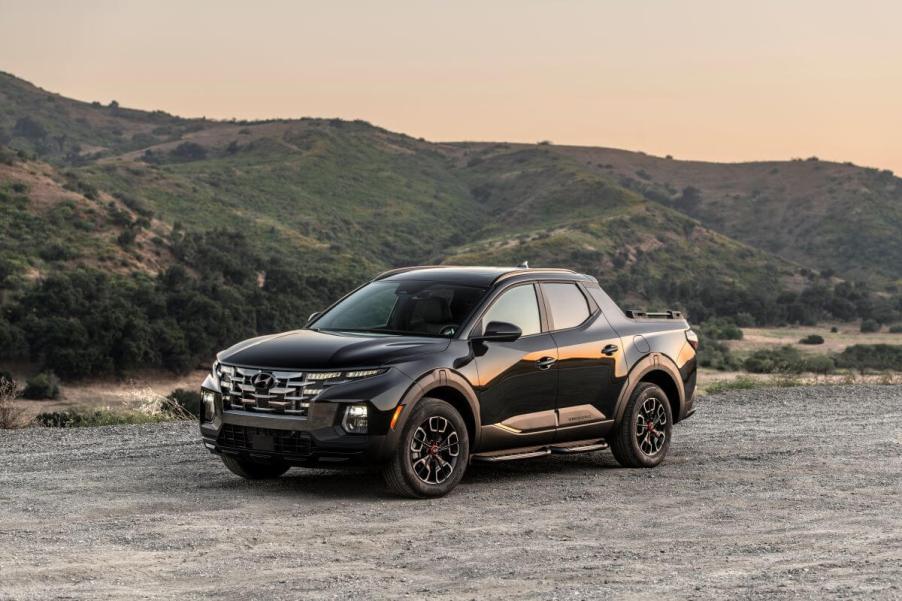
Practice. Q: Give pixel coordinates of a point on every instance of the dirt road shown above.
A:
(783, 493)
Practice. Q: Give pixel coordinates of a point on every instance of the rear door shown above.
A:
(588, 350)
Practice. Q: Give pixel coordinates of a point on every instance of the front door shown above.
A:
(517, 381)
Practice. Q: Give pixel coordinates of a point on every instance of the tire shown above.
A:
(634, 443)
(253, 470)
(431, 435)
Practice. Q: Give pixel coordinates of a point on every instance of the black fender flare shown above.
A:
(650, 363)
(441, 377)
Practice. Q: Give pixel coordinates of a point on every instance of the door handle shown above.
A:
(546, 362)
(610, 349)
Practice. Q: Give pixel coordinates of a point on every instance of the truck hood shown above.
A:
(310, 349)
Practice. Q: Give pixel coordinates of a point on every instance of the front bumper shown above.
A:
(290, 440)
(316, 439)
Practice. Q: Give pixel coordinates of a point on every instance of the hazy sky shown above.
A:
(716, 80)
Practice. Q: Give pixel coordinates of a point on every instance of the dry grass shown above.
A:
(834, 342)
(11, 414)
(713, 381)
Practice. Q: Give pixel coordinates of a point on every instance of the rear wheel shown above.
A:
(432, 452)
(642, 437)
(254, 470)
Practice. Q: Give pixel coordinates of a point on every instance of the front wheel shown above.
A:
(253, 470)
(432, 452)
(642, 437)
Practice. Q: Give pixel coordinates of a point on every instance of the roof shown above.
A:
(473, 276)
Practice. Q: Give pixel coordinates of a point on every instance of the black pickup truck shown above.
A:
(424, 370)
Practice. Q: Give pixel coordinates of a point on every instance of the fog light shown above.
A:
(208, 404)
(355, 419)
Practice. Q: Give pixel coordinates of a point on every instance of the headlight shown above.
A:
(207, 405)
(355, 419)
(362, 373)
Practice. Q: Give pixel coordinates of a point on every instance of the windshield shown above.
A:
(412, 308)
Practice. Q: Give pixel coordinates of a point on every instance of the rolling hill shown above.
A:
(297, 210)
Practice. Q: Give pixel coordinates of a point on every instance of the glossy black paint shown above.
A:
(558, 385)
(309, 349)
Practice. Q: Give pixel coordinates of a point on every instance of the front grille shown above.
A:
(282, 442)
(285, 392)
(270, 391)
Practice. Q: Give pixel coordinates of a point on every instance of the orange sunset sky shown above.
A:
(710, 80)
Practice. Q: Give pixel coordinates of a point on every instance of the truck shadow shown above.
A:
(367, 484)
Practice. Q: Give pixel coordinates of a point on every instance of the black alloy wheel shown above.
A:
(432, 452)
(650, 423)
(641, 437)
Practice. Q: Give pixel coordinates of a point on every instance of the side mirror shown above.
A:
(313, 316)
(499, 331)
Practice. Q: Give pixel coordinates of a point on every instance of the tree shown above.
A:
(29, 128)
(189, 151)
(870, 326)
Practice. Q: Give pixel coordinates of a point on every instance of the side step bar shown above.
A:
(586, 446)
(489, 458)
(583, 448)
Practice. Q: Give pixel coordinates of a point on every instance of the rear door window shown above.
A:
(567, 304)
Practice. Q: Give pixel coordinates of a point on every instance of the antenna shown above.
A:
(524, 265)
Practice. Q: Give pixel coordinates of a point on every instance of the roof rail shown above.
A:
(533, 271)
(392, 272)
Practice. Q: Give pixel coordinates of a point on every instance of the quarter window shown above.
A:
(518, 306)
(568, 306)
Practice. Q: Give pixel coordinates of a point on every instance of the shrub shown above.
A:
(7, 156)
(126, 238)
(897, 329)
(785, 359)
(189, 151)
(56, 251)
(187, 400)
(32, 129)
(44, 385)
(721, 329)
(86, 418)
(871, 356)
(812, 339)
(744, 320)
(737, 383)
(834, 330)
(819, 364)
(716, 355)
(869, 326)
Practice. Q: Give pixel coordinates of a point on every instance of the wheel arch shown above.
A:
(451, 387)
(657, 369)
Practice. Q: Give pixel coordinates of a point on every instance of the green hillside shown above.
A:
(180, 236)
(829, 216)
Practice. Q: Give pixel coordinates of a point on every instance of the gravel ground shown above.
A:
(783, 493)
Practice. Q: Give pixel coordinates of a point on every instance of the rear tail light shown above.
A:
(692, 338)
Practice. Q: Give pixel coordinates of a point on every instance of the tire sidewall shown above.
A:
(639, 397)
(426, 408)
